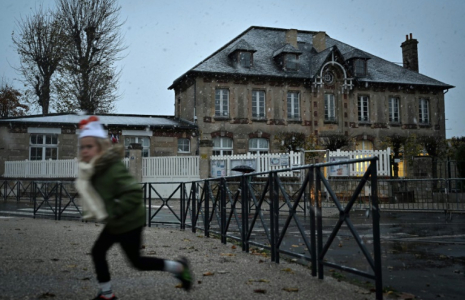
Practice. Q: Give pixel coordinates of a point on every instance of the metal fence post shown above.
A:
(245, 214)
(34, 186)
(206, 220)
(150, 204)
(223, 210)
(312, 221)
(274, 217)
(59, 200)
(376, 231)
(319, 222)
(182, 200)
(194, 208)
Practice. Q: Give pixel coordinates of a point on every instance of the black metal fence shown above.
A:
(267, 215)
(271, 214)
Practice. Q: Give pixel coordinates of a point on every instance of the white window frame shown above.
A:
(363, 108)
(44, 147)
(330, 108)
(221, 103)
(423, 111)
(184, 145)
(293, 105)
(145, 147)
(258, 104)
(259, 145)
(222, 146)
(394, 109)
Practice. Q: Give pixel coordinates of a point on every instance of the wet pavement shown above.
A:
(423, 253)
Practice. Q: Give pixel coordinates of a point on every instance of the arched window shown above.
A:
(259, 145)
(364, 145)
(222, 146)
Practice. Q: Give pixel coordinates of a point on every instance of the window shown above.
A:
(258, 104)
(364, 145)
(222, 146)
(259, 145)
(394, 110)
(143, 140)
(245, 59)
(290, 62)
(222, 103)
(184, 146)
(363, 111)
(330, 108)
(360, 67)
(293, 106)
(424, 111)
(43, 146)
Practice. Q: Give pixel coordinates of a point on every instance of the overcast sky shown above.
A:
(167, 38)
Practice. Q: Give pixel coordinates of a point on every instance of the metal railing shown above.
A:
(233, 209)
(268, 214)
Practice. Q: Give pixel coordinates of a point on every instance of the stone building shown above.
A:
(269, 81)
(55, 136)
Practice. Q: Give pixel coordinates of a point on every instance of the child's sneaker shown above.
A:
(185, 276)
(102, 296)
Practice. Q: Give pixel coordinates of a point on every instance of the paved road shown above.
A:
(422, 252)
(42, 258)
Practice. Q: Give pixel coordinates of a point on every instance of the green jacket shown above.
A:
(121, 193)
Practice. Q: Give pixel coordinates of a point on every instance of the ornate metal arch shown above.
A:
(346, 86)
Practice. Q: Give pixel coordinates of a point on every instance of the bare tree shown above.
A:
(94, 29)
(335, 141)
(10, 102)
(41, 44)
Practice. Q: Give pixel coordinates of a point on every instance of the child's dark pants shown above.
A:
(131, 243)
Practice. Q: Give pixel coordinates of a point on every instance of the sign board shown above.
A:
(338, 170)
(218, 168)
(282, 160)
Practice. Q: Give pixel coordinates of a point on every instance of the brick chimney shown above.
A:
(291, 37)
(410, 53)
(319, 41)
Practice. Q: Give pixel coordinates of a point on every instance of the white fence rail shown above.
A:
(222, 165)
(61, 168)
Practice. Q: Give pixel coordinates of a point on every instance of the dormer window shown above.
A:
(360, 67)
(357, 60)
(290, 61)
(245, 59)
(241, 54)
(287, 57)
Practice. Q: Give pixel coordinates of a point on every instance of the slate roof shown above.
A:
(269, 40)
(242, 45)
(288, 48)
(107, 120)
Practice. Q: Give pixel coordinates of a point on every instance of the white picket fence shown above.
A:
(221, 166)
(168, 169)
(170, 166)
(61, 168)
(358, 169)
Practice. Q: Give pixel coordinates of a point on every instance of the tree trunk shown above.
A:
(45, 95)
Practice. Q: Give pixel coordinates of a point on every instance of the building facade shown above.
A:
(270, 81)
(55, 136)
